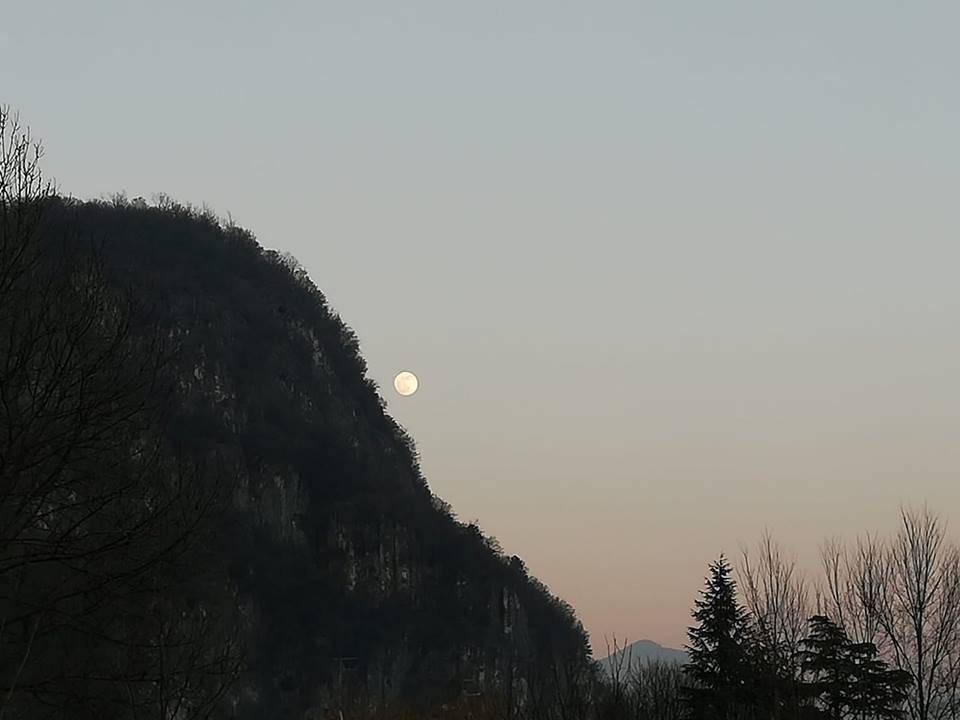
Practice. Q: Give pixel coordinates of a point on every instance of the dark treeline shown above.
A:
(738, 669)
(876, 636)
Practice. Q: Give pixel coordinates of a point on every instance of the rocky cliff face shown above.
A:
(356, 583)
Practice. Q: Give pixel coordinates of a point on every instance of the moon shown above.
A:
(406, 383)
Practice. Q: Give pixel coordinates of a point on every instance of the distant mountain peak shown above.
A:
(642, 652)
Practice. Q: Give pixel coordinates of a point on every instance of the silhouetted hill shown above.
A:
(351, 577)
(645, 651)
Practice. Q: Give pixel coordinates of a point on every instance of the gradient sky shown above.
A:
(668, 272)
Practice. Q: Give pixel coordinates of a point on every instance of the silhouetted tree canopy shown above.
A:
(848, 679)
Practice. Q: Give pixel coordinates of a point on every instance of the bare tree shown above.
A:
(639, 690)
(778, 600)
(657, 691)
(918, 612)
(852, 586)
(23, 193)
(617, 675)
(97, 515)
(777, 596)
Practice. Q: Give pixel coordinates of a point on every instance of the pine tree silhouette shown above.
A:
(718, 650)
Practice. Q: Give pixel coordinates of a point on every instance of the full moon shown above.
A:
(406, 383)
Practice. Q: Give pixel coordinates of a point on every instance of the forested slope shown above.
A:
(335, 575)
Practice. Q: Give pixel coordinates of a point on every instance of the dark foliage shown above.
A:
(719, 649)
(736, 673)
(847, 679)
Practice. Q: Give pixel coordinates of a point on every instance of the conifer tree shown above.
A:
(849, 679)
(826, 662)
(719, 649)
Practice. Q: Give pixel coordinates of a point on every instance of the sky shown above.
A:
(669, 273)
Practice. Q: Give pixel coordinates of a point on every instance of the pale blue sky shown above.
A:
(668, 272)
